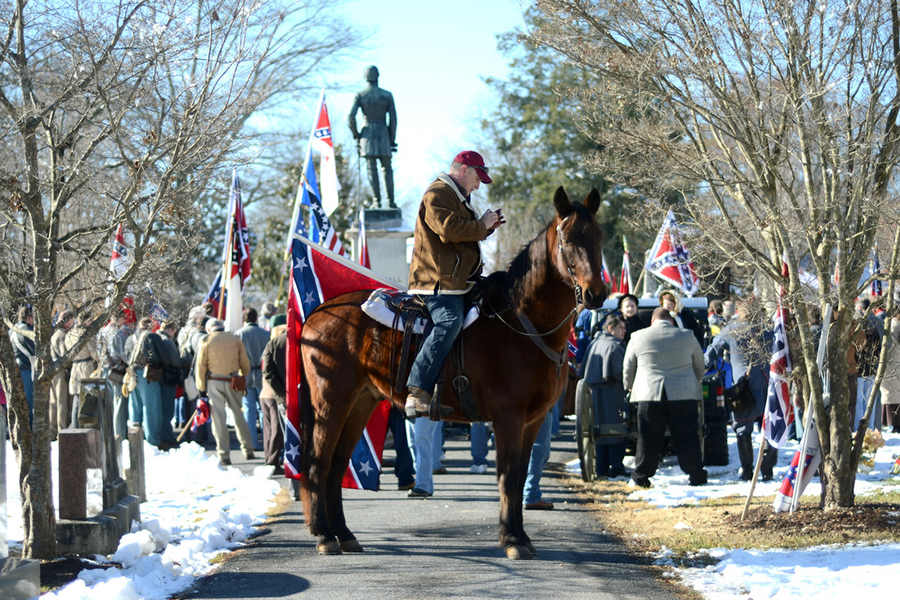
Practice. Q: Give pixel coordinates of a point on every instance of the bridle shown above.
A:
(531, 332)
(579, 299)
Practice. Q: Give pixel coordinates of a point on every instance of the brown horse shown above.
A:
(348, 360)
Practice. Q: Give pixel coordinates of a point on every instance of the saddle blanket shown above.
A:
(381, 307)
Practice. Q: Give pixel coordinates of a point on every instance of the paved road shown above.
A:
(440, 547)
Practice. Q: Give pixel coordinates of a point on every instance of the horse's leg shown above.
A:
(514, 440)
(353, 427)
(529, 435)
(316, 484)
(328, 423)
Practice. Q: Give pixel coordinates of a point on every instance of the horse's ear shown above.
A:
(562, 203)
(592, 202)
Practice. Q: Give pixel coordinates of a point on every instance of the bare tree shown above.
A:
(778, 120)
(127, 112)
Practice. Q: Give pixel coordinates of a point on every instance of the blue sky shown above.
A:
(433, 56)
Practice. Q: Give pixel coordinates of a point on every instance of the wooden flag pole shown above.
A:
(187, 426)
(759, 459)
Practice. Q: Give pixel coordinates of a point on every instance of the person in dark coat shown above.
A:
(272, 397)
(741, 348)
(602, 372)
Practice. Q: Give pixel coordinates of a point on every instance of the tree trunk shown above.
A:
(838, 469)
(38, 511)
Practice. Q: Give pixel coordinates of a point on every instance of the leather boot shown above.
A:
(745, 453)
(770, 459)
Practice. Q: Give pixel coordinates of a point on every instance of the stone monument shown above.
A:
(377, 138)
(97, 510)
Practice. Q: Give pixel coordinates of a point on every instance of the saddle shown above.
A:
(406, 313)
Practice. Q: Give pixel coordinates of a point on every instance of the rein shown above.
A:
(531, 332)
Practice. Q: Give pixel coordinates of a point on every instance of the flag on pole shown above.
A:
(607, 277)
(670, 260)
(876, 288)
(322, 141)
(317, 275)
(320, 228)
(235, 257)
(625, 284)
(118, 264)
(779, 412)
(157, 312)
(215, 293)
(363, 242)
(789, 485)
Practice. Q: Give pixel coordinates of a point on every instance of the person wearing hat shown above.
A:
(445, 262)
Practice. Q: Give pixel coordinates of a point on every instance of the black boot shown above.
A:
(745, 453)
(770, 459)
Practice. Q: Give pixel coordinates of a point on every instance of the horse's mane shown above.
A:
(529, 267)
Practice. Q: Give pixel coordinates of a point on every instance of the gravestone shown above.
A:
(20, 578)
(80, 474)
(91, 463)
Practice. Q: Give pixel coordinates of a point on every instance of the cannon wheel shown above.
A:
(584, 431)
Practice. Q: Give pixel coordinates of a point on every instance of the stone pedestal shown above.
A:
(134, 472)
(389, 244)
(96, 511)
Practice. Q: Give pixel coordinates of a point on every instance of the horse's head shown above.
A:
(578, 254)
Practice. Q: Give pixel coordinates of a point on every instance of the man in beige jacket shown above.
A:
(222, 355)
(60, 401)
(446, 260)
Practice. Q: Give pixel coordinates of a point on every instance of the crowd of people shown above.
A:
(160, 376)
(648, 373)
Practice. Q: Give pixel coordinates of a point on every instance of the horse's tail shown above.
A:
(307, 422)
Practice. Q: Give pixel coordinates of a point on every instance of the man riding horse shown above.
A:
(446, 260)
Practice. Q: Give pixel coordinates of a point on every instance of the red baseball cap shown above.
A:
(470, 158)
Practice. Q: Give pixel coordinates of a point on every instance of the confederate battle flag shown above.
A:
(317, 275)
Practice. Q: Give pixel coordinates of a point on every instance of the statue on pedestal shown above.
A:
(376, 140)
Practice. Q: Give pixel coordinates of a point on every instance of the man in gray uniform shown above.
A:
(376, 141)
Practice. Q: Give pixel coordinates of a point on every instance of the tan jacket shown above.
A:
(221, 353)
(84, 363)
(663, 356)
(445, 250)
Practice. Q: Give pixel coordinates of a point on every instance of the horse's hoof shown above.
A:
(518, 553)
(330, 547)
(531, 548)
(351, 545)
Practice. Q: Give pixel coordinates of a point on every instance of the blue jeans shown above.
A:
(424, 430)
(152, 407)
(404, 467)
(28, 384)
(136, 401)
(540, 453)
(250, 408)
(447, 313)
(479, 435)
(167, 412)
